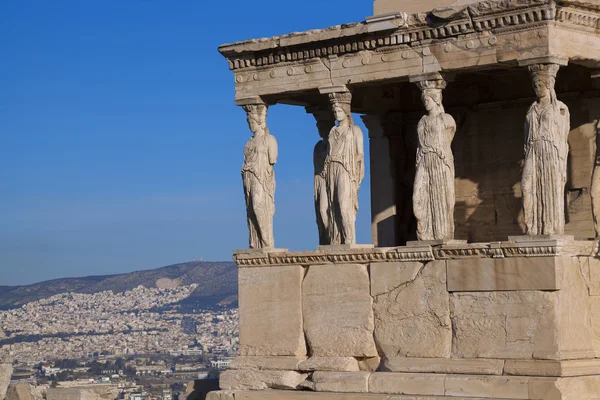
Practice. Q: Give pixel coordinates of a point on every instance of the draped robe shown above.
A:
(545, 168)
(258, 176)
(345, 171)
(434, 197)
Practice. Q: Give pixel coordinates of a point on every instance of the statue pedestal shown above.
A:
(413, 243)
(503, 320)
(258, 251)
(337, 247)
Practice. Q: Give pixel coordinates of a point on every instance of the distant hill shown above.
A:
(217, 284)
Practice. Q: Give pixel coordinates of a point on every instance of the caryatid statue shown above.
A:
(433, 195)
(258, 175)
(546, 150)
(595, 192)
(325, 122)
(345, 171)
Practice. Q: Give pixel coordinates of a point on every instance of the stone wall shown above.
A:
(6, 371)
(23, 391)
(507, 320)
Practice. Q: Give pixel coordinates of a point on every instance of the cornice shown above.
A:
(425, 253)
(486, 16)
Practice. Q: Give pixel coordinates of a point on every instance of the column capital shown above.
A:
(432, 76)
(562, 61)
(334, 89)
(251, 100)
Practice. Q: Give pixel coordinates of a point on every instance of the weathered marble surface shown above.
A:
(521, 324)
(23, 391)
(271, 311)
(546, 150)
(411, 308)
(6, 371)
(475, 366)
(330, 364)
(343, 382)
(338, 311)
(284, 363)
(344, 171)
(595, 186)
(393, 386)
(502, 274)
(260, 380)
(434, 198)
(258, 176)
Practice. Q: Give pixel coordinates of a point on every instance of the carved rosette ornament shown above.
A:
(258, 176)
(344, 170)
(546, 150)
(325, 121)
(433, 195)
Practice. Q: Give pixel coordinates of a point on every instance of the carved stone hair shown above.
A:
(544, 69)
(258, 113)
(342, 100)
(545, 73)
(432, 84)
(433, 88)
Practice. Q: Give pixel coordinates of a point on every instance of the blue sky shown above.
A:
(120, 144)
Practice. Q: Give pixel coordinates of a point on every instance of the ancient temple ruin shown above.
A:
(483, 277)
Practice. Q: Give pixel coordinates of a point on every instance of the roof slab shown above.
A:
(488, 35)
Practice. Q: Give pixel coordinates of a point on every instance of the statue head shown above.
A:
(340, 105)
(432, 99)
(256, 115)
(544, 79)
(431, 94)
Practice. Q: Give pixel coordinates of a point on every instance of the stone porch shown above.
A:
(496, 316)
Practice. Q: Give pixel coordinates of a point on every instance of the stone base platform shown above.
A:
(393, 386)
(496, 321)
(256, 384)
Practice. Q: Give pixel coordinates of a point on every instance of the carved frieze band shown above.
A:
(493, 16)
(421, 253)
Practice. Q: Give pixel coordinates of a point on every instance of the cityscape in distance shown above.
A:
(141, 335)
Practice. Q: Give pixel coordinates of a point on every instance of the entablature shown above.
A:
(459, 39)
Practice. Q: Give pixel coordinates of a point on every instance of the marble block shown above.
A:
(338, 311)
(271, 311)
(411, 308)
(6, 371)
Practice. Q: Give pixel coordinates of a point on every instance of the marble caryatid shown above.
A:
(258, 175)
(595, 192)
(345, 170)
(325, 121)
(433, 196)
(546, 151)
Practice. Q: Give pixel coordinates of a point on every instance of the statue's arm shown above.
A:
(527, 127)
(450, 127)
(567, 119)
(273, 150)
